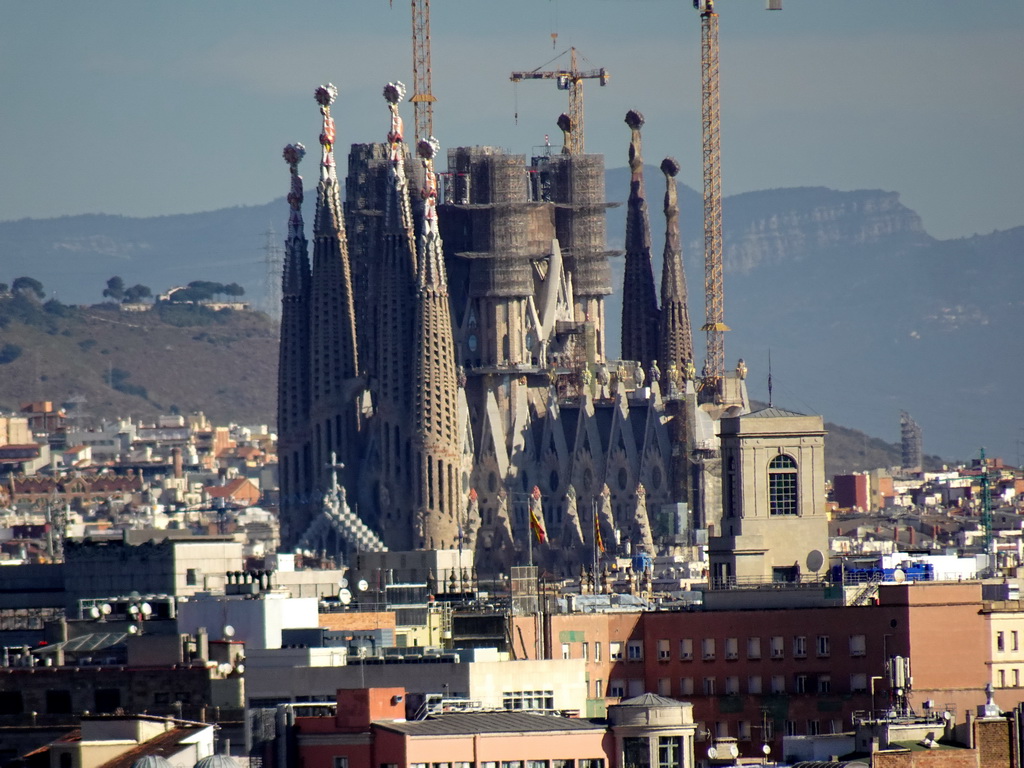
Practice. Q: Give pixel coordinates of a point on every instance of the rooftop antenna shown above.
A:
(769, 378)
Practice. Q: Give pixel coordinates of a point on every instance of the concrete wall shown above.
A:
(258, 623)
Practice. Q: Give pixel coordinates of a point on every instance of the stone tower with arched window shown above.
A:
(774, 523)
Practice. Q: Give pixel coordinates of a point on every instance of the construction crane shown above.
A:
(570, 80)
(714, 318)
(422, 99)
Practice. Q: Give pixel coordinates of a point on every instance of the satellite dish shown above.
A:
(132, 629)
(815, 560)
(345, 596)
(229, 631)
(734, 750)
(147, 609)
(766, 748)
(899, 576)
(712, 753)
(224, 668)
(362, 586)
(105, 609)
(133, 609)
(343, 582)
(94, 612)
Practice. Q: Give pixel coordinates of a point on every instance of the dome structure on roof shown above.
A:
(152, 761)
(217, 761)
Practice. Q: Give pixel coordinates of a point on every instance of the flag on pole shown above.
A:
(537, 517)
(598, 541)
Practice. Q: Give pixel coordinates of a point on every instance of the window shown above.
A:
(664, 686)
(743, 730)
(341, 761)
(615, 651)
(1016, 678)
(836, 726)
(778, 647)
(791, 728)
(732, 685)
(1001, 679)
(1013, 641)
(686, 686)
(455, 765)
(107, 700)
(1000, 642)
(597, 651)
(753, 647)
(11, 703)
(635, 650)
(599, 689)
(782, 496)
(858, 682)
(721, 729)
(708, 648)
(635, 752)
(664, 650)
(824, 683)
(554, 764)
(565, 651)
(686, 649)
(586, 650)
(799, 647)
(58, 702)
(778, 683)
(635, 687)
(732, 648)
(528, 700)
(191, 577)
(754, 684)
(511, 764)
(670, 751)
(813, 728)
(824, 646)
(536, 764)
(617, 689)
(858, 645)
(801, 683)
(593, 762)
(709, 686)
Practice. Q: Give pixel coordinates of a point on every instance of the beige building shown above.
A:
(774, 521)
(653, 730)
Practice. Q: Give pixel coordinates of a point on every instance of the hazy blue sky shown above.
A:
(144, 108)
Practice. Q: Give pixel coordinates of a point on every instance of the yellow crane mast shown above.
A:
(714, 319)
(422, 99)
(570, 80)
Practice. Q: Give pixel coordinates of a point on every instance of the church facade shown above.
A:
(444, 354)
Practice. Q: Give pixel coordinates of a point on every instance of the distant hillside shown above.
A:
(111, 363)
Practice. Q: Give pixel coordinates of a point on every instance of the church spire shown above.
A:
(334, 356)
(676, 347)
(293, 360)
(437, 441)
(639, 301)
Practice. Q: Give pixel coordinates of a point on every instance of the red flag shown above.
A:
(537, 517)
(597, 535)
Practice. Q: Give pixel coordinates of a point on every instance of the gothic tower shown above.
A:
(436, 438)
(334, 366)
(676, 344)
(293, 364)
(639, 303)
(577, 189)
(395, 386)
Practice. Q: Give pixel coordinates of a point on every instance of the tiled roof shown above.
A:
(461, 724)
(649, 700)
(165, 745)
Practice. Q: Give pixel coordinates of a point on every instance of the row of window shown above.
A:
(1008, 678)
(775, 647)
(1001, 641)
(755, 685)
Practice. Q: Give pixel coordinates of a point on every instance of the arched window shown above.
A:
(782, 486)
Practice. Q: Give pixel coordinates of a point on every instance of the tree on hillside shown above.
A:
(204, 290)
(28, 287)
(136, 293)
(114, 289)
(4, 288)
